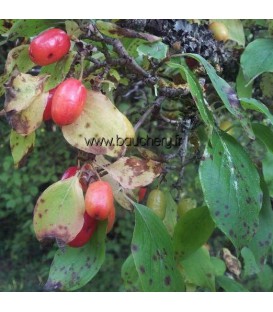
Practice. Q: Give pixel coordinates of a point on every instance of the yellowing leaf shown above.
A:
(133, 172)
(101, 128)
(25, 102)
(59, 211)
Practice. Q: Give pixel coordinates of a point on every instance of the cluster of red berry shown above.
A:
(65, 102)
(99, 206)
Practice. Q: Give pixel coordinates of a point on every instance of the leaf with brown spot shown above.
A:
(21, 147)
(120, 194)
(73, 268)
(19, 57)
(234, 195)
(129, 275)
(100, 124)
(153, 253)
(132, 172)
(59, 211)
(25, 102)
(147, 154)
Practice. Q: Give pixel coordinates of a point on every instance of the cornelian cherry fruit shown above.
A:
(141, 193)
(68, 101)
(111, 219)
(99, 200)
(49, 47)
(88, 229)
(69, 172)
(47, 111)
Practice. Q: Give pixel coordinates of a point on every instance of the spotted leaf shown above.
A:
(75, 267)
(25, 102)
(101, 128)
(129, 275)
(132, 172)
(59, 211)
(21, 147)
(233, 196)
(153, 253)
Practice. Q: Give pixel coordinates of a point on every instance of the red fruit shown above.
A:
(141, 194)
(68, 102)
(99, 200)
(111, 219)
(49, 47)
(47, 111)
(69, 172)
(89, 227)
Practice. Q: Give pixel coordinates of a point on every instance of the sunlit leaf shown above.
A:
(101, 128)
(132, 172)
(25, 102)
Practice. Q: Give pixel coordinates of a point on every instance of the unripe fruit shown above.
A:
(141, 193)
(111, 219)
(49, 47)
(47, 111)
(99, 200)
(185, 205)
(88, 229)
(156, 201)
(68, 102)
(69, 172)
(219, 30)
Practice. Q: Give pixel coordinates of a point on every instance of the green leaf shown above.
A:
(265, 277)
(30, 27)
(219, 266)
(257, 58)
(129, 275)
(243, 90)
(262, 241)
(73, 268)
(192, 231)
(198, 97)
(59, 211)
(264, 134)
(58, 70)
(268, 171)
(265, 85)
(157, 50)
(198, 269)
(196, 92)
(171, 213)
(229, 284)
(250, 266)
(131, 45)
(257, 106)
(233, 196)
(73, 29)
(21, 147)
(153, 253)
(226, 93)
(235, 30)
(19, 57)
